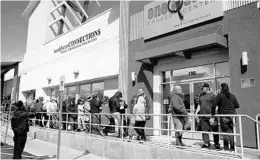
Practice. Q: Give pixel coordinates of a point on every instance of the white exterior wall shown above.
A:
(37, 27)
(94, 60)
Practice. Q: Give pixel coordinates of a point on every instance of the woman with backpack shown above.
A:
(114, 105)
(227, 103)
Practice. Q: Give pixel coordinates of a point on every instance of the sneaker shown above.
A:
(204, 146)
(217, 146)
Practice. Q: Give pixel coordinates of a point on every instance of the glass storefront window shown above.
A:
(166, 76)
(72, 91)
(222, 69)
(97, 87)
(85, 88)
(193, 73)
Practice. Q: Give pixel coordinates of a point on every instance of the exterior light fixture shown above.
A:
(244, 62)
(49, 80)
(76, 73)
(133, 78)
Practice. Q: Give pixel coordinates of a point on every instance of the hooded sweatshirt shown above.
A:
(19, 121)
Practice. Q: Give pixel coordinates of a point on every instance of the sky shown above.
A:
(13, 30)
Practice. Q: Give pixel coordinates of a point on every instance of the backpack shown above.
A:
(110, 103)
(19, 126)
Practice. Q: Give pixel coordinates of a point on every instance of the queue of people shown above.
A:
(97, 113)
(99, 110)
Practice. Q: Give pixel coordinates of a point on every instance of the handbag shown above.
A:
(188, 122)
(147, 116)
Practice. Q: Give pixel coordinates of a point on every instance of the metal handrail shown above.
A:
(257, 131)
(240, 134)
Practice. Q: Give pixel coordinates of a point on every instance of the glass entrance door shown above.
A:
(190, 80)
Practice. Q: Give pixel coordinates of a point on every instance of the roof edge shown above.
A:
(30, 8)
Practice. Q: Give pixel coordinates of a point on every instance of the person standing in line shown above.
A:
(95, 109)
(114, 105)
(81, 123)
(140, 120)
(206, 101)
(227, 104)
(122, 111)
(72, 110)
(64, 115)
(54, 109)
(44, 115)
(38, 107)
(20, 127)
(87, 113)
(177, 108)
(105, 118)
(133, 101)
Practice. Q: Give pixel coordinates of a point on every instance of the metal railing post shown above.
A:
(122, 127)
(168, 119)
(257, 132)
(90, 121)
(67, 119)
(235, 131)
(241, 137)
(49, 121)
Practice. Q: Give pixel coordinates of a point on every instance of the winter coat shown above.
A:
(177, 106)
(72, 109)
(139, 108)
(19, 121)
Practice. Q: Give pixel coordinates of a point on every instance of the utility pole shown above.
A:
(61, 89)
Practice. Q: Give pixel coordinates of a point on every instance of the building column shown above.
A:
(2, 86)
(123, 48)
(15, 84)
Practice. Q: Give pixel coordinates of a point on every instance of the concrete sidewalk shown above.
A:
(38, 149)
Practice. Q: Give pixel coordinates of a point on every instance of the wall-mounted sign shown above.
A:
(248, 82)
(79, 42)
(62, 83)
(158, 20)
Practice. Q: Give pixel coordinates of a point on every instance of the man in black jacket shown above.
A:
(20, 127)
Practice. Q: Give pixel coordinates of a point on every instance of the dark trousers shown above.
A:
(140, 132)
(38, 119)
(19, 144)
(227, 126)
(73, 122)
(46, 118)
(205, 126)
(64, 119)
(95, 124)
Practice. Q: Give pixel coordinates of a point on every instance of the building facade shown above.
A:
(201, 41)
(83, 47)
(147, 47)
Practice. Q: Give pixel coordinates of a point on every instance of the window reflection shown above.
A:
(97, 86)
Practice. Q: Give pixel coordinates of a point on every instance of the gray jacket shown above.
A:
(177, 105)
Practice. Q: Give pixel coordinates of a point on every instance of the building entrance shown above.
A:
(190, 80)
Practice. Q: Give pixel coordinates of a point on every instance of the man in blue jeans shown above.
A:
(206, 102)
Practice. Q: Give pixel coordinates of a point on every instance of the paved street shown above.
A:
(36, 149)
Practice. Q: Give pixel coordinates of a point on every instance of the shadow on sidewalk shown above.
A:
(7, 153)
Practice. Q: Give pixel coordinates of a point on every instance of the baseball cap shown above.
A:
(89, 98)
(204, 85)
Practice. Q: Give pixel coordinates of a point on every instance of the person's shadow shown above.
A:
(7, 153)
